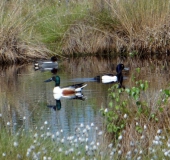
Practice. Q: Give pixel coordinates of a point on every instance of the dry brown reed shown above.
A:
(14, 47)
(134, 27)
(87, 39)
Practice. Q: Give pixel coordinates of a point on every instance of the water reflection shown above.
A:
(24, 97)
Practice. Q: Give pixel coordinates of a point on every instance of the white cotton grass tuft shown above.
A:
(106, 110)
(81, 125)
(120, 137)
(79, 144)
(145, 127)
(45, 122)
(3, 154)
(100, 133)
(15, 144)
(44, 158)
(159, 131)
(125, 116)
(119, 152)
(92, 124)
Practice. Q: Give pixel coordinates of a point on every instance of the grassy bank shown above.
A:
(39, 29)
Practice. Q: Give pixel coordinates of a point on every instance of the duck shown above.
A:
(46, 65)
(111, 78)
(65, 90)
(70, 92)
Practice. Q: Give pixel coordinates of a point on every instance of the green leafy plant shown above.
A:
(129, 104)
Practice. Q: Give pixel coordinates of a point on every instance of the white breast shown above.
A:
(57, 96)
(57, 90)
(107, 79)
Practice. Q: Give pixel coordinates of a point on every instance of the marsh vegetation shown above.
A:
(39, 29)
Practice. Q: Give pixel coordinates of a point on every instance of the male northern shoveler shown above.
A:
(71, 92)
(72, 89)
(109, 78)
(46, 64)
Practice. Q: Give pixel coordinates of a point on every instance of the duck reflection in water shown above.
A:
(70, 92)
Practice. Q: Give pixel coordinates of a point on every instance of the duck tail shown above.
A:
(36, 64)
(83, 86)
(78, 89)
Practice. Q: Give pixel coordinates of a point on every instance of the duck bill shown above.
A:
(48, 80)
(126, 69)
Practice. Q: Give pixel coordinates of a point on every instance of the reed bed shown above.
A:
(16, 45)
(33, 29)
(133, 27)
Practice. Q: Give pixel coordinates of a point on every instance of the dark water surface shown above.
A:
(24, 96)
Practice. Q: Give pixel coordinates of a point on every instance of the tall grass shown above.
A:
(33, 29)
(135, 27)
(15, 24)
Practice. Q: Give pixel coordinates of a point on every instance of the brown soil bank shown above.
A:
(84, 38)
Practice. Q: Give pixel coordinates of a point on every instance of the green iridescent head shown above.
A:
(56, 79)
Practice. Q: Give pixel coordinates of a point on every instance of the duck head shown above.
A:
(54, 59)
(56, 79)
(119, 68)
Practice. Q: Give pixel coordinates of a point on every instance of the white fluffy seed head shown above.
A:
(125, 116)
(106, 110)
(100, 133)
(92, 124)
(15, 144)
(119, 152)
(3, 154)
(159, 131)
(45, 122)
(145, 127)
(120, 137)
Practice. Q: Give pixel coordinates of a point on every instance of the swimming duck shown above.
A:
(110, 78)
(65, 90)
(71, 92)
(46, 65)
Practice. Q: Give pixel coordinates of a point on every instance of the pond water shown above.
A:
(24, 96)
